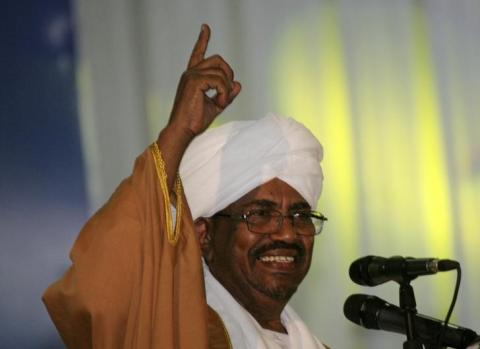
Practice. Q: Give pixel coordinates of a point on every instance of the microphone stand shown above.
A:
(408, 304)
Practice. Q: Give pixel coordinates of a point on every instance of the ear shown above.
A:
(203, 230)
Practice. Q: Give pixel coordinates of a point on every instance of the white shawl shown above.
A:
(244, 331)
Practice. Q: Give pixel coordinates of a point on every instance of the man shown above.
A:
(137, 279)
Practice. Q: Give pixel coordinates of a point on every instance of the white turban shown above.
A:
(225, 163)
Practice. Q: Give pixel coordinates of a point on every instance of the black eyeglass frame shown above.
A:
(279, 218)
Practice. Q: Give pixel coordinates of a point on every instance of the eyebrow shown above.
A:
(301, 205)
(262, 203)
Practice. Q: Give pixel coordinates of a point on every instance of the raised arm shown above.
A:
(193, 111)
(129, 286)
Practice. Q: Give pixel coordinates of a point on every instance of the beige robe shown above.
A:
(128, 286)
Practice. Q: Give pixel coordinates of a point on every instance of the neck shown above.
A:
(267, 315)
(263, 307)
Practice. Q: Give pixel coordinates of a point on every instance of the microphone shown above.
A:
(374, 313)
(374, 270)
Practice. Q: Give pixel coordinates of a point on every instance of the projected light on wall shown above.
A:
(402, 173)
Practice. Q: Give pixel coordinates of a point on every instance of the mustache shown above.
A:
(299, 247)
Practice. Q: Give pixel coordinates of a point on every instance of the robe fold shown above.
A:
(128, 286)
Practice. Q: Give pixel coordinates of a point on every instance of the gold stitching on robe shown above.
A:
(172, 234)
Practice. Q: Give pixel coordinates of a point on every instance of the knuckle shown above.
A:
(222, 62)
(190, 80)
(220, 73)
(186, 74)
(190, 74)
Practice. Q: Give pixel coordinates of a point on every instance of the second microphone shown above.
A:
(374, 270)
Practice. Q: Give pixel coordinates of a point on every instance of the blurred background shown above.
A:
(390, 87)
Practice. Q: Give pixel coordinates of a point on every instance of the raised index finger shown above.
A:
(200, 47)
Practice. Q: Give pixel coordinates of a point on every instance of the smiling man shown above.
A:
(138, 279)
(260, 257)
(252, 186)
(263, 260)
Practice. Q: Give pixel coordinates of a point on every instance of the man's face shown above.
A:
(254, 267)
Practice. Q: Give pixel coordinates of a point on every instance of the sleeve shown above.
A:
(129, 286)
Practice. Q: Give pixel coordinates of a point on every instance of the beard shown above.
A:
(276, 292)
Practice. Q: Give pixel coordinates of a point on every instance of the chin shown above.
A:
(276, 292)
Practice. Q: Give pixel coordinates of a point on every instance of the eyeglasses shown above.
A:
(268, 221)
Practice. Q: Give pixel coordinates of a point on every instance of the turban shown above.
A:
(224, 163)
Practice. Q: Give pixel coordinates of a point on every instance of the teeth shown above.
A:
(278, 259)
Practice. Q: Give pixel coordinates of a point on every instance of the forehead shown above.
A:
(276, 192)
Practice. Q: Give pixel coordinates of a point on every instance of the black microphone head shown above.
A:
(352, 306)
(362, 309)
(359, 270)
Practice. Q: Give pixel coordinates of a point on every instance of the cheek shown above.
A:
(232, 245)
(241, 252)
(242, 246)
(308, 243)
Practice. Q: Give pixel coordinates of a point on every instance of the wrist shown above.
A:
(176, 134)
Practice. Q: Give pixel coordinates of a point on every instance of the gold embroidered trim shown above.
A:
(172, 234)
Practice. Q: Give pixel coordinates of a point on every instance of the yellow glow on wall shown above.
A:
(312, 87)
(432, 168)
(386, 162)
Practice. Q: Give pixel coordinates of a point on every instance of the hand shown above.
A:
(193, 111)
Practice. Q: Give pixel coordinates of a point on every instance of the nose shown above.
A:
(286, 232)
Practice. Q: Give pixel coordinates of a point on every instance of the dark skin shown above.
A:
(193, 111)
(260, 271)
(263, 287)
